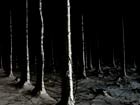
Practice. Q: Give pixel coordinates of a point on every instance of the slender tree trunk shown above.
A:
(40, 86)
(135, 66)
(100, 67)
(83, 40)
(42, 48)
(1, 62)
(52, 51)
(99, 57)
(11, 47)
(86, 59)
(91, 63)
(27, 45)
(25, 72)
(114, 63)
(71, 100)
(67, 97)
(124, 59)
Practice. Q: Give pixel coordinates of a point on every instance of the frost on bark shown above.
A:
(71, 100)
(11, 48)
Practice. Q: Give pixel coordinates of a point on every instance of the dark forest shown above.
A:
(104, 40)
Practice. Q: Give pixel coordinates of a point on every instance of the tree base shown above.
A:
(28, 86)
(12, 77)
(24, 84)
(43, 95)
(38, 91)
(64, 102)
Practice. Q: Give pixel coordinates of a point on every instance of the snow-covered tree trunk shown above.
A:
(124, 59)
(11, 47)
(42, 47)
(83, 40)
(27, 45)
(71, 100)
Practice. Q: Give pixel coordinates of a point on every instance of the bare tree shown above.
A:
(67, 97)
(83, 40)
(27, 82)
(11, 48)
(114, 62)
(42, 47)
(40, 86)
(71, 100)
(124, 57)
(91, 60)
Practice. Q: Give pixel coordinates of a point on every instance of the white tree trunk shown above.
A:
(91, 63)
(42, 47)
(11, 50)
(100, 66)
(124, 59)
(114, 63)
(71, 100)
(83, 50)
(27, 45)
(135, 66)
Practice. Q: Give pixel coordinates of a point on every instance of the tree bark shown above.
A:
(83, 49)
(71, 100)
(27, 46)
(40, 86)
(124, 57)
(67, 97)
(11, 47)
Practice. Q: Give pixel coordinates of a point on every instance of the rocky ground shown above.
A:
(90, 91)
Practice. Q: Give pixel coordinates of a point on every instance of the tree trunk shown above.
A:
(114, 62)
(1, 62)
(27, 48)
(83, 49)
(67, 97)
(11, 48)
(90, 55)
(40, 86)
(71, 100)
(124, 59)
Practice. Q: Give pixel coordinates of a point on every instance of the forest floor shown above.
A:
(101, 90)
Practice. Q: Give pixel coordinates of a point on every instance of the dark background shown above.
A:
(102, 25)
